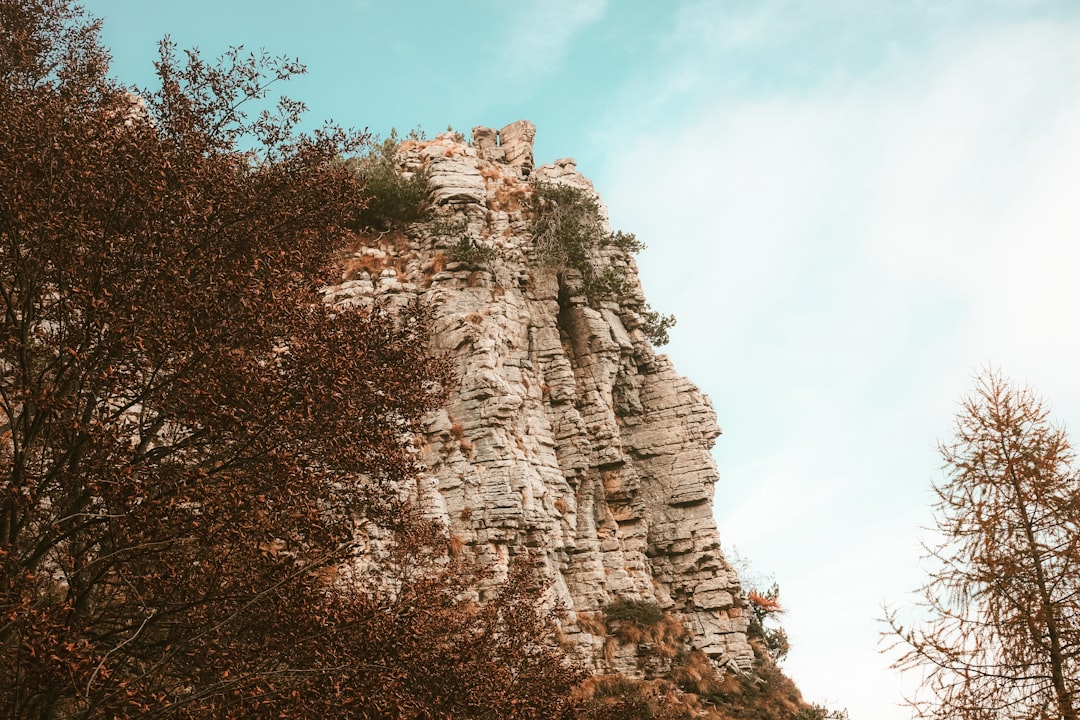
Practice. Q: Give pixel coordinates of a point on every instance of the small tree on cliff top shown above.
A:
(189, 437)
(569, 232)
(1003, 639)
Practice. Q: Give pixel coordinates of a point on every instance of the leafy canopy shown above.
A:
(198, 456)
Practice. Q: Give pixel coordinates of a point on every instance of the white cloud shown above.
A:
(541, 35)
(975, 196)
(841, 258)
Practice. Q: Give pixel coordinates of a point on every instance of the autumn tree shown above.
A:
(765, 609)
(761, 602)
(1002, 634)
(194, 447)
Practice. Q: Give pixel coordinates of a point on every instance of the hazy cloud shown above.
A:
(541, 34)
(841, 256)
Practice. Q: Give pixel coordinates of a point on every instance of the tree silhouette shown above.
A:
(1003, 635)
(193, 445)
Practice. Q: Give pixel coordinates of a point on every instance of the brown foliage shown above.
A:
(1003, 602)
(191, 437)
(765, 607)
(697, 691)
(644, 624)
(592, 623)
(370, 264)
(767, 603)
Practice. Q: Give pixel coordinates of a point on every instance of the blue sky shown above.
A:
(851, 206)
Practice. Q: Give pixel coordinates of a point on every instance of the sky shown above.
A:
(852, 207)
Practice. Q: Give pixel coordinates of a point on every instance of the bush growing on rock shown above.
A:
(570, 233)
(655, 325)
(764, 606)
(394, 199)
(638, 612)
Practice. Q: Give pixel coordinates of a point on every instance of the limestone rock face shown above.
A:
(566, 435)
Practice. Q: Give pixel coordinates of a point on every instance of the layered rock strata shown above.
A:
(566, 435)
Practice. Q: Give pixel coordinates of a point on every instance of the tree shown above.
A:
(570, 232)
(762, 601)
(1002, 639)
(396, 198)
(193, 445)
(765, 627)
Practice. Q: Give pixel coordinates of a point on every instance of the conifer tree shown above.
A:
(1003, 635)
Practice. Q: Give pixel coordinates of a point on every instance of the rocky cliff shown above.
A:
(566, 435)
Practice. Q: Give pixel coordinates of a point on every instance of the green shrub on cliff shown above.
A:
(570, 233)
(394, 199)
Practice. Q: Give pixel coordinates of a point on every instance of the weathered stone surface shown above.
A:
(455, 177)
(486, 141)
(516, 140)
(565, 435)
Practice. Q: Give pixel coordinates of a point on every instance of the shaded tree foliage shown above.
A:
(192, 444)
(395, 198)
(1003, 635)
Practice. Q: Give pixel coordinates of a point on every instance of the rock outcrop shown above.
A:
(566, 435)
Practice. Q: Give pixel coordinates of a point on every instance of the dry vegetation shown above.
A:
(654, 632)
(694, 688)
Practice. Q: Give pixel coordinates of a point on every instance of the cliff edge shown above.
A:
(566, 436)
